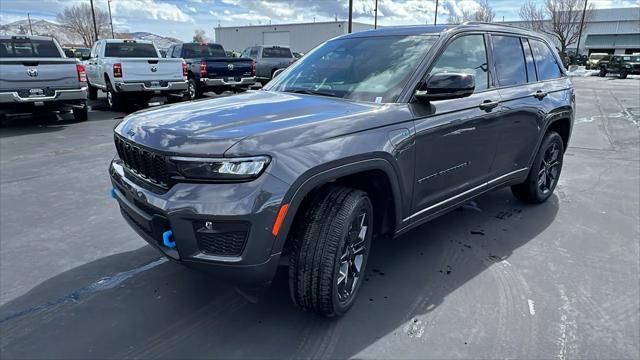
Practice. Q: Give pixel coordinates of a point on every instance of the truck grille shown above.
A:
(146, 164)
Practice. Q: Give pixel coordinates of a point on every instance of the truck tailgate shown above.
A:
(38, 73)
(229, 67)
(147, 69)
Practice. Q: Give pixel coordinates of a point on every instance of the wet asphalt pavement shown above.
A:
(494, 279)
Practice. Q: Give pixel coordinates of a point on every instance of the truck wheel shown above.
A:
(114, 99)
(93, 92)
(544, 173)
(330, 251)
(623, 74)
(81, 114)
(603, 72)
(193, 90)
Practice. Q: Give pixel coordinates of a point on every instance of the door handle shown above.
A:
(487, 105)
(539, 94)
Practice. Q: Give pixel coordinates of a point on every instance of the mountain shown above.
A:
(66, 38)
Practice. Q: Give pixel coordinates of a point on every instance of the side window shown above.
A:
(545, 61)
(253, 53)
(468, 55)
(509, 58)
(176, 51)
(531, 66)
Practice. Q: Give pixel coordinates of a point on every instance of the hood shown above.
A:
(210, 127)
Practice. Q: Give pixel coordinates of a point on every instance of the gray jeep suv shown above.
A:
(349, 144)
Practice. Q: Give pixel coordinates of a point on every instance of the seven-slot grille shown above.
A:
(146, 164)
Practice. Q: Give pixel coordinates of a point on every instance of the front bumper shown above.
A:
(171, 86)
(245, 81)
(186, 206)
(71, 95)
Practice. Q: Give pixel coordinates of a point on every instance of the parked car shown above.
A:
(348, 145)
(622, 65)
(79, 53)
(594, 60)
(35, 76)
(269, 59)
(210, 69)
(298, 55)
(132, 71)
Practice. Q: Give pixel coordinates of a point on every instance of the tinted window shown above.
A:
(18, 48)
(275, 52)
(545, 61)
(509, 58)
(130, 49)
(355, 68)
(202, 50)
(467, 55)
(531, 67)
(253, 53)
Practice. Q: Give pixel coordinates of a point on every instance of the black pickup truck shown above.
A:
(210, 69)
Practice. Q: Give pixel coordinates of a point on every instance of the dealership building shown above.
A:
(300, 37)
(613, 31)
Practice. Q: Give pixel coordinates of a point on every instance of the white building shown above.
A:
(300, 37)
(609, 30)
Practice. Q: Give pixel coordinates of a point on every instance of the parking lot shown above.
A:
(494, 279)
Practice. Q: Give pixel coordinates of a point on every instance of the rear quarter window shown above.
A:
(130, 50)
(546, 63)
(276, 53)
(26, 48)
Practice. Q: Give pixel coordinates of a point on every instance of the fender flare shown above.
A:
(555, 117)
(324, 174)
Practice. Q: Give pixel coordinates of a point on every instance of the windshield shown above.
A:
(597, 56)
(83, 52)
(130, 49)
(25, 48)
(203, 50)
(373, 69)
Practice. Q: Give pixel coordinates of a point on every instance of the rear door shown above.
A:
(454, 138)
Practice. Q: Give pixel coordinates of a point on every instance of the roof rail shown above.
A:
(492, 23)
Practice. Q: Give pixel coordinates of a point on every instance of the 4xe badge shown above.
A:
(32, 72)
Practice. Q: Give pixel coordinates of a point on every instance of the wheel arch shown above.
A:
(381, 184)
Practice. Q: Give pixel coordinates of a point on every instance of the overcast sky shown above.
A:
(179, 18)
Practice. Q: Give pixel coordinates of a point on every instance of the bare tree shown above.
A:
(559, 19)
(78, 20)
(483, 13)
(200, 36)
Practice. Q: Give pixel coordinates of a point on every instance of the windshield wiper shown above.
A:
(311, 92)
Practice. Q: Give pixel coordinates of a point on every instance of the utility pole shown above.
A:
(93, 15)
(30, 29)
(580, 32)
(350, 15)
(111, 19)
(375, 17)
(435, 20)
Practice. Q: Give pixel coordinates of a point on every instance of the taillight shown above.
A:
(184, 70)
(117, 70)
(82, 74)
(291, 61)
(203, 68)
(253, 68)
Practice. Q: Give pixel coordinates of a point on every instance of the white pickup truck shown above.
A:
(132, 71)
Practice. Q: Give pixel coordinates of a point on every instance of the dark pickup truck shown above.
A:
(210, 69)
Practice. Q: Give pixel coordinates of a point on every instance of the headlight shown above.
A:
(221, 168)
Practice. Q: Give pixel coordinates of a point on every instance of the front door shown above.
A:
(455, 138)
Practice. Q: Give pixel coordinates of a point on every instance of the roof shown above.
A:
(119, 41)
(437, 29)
(291, 24)
(34, 37)
(617, 14)
(613, 41)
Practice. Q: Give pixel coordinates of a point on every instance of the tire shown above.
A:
(334, 236)
(193, 90)
(623, 74)
(93, 92)
(544, 173)
(114, 100)
(81, 114)
(218, 91)
(603, 72)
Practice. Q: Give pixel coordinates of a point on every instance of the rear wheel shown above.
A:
(603, 72)
(544, 173)
(93, 92)
(193, 90)
(623, 73)
(114, 100)
(330, 251)
(81, 114)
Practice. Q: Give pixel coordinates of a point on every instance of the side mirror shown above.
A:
(444, 86)
(277, 72)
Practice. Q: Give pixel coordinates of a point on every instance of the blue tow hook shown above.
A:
(167, 239)
(113, 193)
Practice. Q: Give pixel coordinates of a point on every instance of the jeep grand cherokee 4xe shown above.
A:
(372, 133)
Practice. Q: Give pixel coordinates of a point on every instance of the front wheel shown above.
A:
(623, 74)
(603, 72)
(330, 251)
(544, 173)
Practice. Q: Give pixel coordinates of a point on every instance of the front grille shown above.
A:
(224, 239)
(146, 164)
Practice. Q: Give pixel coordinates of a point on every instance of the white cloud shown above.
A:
(149, 9)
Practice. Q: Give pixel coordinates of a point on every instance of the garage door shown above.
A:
(275, 38)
